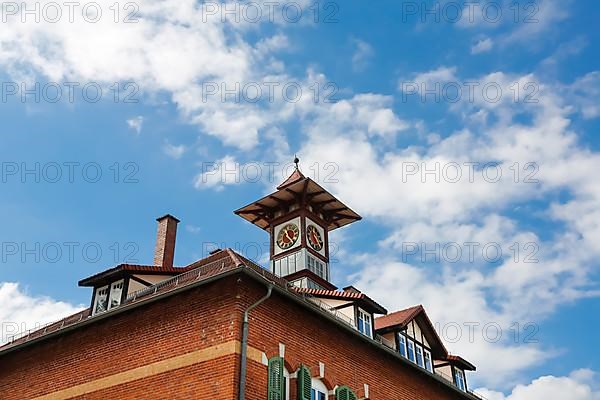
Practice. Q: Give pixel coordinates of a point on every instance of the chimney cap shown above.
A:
(167, 216)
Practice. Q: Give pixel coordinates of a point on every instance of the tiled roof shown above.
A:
(293, 178)
(216, 264)
(213, 266)
(121, 268)
(398, 318)
(344, 295)
(458, 360)
(262, 212)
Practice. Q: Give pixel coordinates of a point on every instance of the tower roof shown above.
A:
(293, 178)
(298, 188)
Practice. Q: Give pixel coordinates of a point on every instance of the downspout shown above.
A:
(244, 349)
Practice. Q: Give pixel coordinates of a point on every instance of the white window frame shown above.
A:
(98, 290)
(365, 316)
(411, 345)
(113, 289)
(427, 356)
(318, 387)
(459, 379)
(419, 352)
(402, 345)
(286, 383)
(317, 266)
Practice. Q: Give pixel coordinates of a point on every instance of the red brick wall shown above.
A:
(186, 322)
(348, 360)
(198, 319)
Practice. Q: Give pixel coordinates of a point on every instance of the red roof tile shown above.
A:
(211, 266)
(398, 318)
(347, 295)
(461, 362)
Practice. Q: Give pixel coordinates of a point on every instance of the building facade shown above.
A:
(226, 328)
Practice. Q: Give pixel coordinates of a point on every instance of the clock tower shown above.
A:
(299, 217)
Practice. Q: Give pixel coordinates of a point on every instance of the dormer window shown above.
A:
(411, 350)
(101, 300)
(428, 363)
(364, 323)
(420, 362)
(116, 293)
(402, 344)
(108, 297)
(459, 379)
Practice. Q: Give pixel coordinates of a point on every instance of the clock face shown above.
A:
(314, 237)
(288, 236)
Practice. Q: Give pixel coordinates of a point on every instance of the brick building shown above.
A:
(225, 328)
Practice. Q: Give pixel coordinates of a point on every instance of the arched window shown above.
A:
(345, 393)
(319, 390)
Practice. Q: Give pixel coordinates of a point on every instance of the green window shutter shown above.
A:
(345, 393)
(276, 379)
(304, 383)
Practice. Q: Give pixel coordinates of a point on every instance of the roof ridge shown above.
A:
(234, 257)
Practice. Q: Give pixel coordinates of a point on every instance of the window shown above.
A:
(411, 350)
(459, 379)
(286, 265)
(364, 323)
(101, 300)
(428, 363)
(420, 356)
(317, 395)
(318, 391)
(316, 266)
(345, 393)
(402, 344)
(116, 292)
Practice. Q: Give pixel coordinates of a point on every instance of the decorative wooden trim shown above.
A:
(140, 280)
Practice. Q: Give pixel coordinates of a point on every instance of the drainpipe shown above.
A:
(244, 349)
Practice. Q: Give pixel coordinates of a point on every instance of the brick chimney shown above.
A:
(164, 251)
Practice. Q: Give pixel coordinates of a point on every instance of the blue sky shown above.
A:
(362, 140)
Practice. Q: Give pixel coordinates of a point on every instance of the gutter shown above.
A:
(262, 279)
(244, 349)
(304, 303)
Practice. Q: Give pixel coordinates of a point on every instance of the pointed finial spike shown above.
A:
(296, 160)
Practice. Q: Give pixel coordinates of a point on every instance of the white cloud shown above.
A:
(20, 311)
(579, 385)
(173, 49)
(584, 93)
(429, 208)
(482, 46)
(174, 151)
(192, 229)
(430, 78)
(136, 123)
(531, 22)
(216, 175)
(362, 55)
